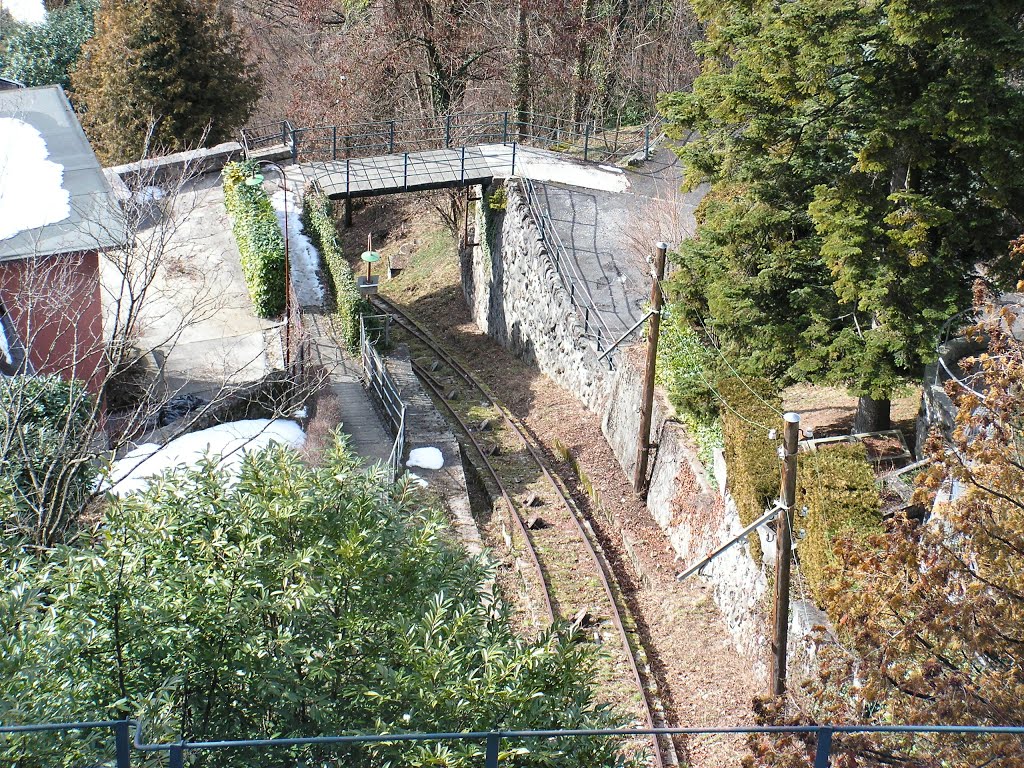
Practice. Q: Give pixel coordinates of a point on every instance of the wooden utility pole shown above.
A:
(643, 450)
(784, 552)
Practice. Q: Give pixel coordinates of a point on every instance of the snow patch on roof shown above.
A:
(229, 441)
(26, 11)
(303, 258)
(428, 458)
(31, 191)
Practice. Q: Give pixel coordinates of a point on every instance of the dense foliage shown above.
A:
(837, 493)
(45, 54)
(861, 157)
(162, 76)
(318, 222)
(259, 238)
(688, 371)
(45, 477)
(749, 453)
(931, 613)
(298, 601)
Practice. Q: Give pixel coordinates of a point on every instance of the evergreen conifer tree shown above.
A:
(862, 158)
(162, 75)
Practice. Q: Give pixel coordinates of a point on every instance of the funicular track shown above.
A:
(663, 752)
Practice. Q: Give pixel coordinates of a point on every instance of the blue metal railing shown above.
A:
(492, 741)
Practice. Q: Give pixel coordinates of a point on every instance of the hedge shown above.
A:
(837, 486)
(259, 238)
(752, 458)
(318, 222)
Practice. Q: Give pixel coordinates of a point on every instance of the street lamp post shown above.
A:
(256, 180)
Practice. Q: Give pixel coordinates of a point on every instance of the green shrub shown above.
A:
(686, 367)
(499, 200)
(837, 486)
(259, 238)
(46, 472)
(752, 458)
(299, 601)
(318, 222)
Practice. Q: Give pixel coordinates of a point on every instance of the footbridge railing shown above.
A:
(121, 742)
(587, 139)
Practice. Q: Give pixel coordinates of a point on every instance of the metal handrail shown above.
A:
(560, 257)
(823, 750)
(457, 129)
(380, 382)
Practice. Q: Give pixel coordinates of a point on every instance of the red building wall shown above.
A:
(53, 303)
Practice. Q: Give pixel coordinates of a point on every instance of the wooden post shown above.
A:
(784, 553)
(643, 449)
(348, 212)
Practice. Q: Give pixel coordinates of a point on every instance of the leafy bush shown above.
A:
(45, 54)
(751, 457)
(299, 601)
(318, 221)
(46, 475)
(837, 487)
(686, 367)
(259, 238)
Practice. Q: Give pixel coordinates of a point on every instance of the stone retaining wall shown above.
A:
(516, 296)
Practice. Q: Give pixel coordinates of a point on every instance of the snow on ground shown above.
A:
(428, 458)
(418, 481)
(27, 11)
(602, 177)
(542, 165)
(230, 441)
(303, 257)
(31, 194)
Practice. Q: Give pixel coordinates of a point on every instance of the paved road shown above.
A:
(609, 235)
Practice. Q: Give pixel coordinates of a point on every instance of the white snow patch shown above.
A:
(541, 165)
(31, 194)
(5, 347)
(303, 257)
(417, 480)
(428, 458)
(230, 441)
(148, 195)
(602, 177)
(26, 11)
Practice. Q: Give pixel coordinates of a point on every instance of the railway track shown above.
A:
(554, 606)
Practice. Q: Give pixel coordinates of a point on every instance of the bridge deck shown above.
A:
(413, 171)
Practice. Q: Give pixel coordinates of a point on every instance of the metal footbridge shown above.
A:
(458, 150)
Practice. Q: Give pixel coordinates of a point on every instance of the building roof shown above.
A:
(95, 221)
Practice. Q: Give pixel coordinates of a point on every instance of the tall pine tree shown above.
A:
(861, 155)
(162, 75)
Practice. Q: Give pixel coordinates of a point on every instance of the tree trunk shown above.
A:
(521, 74)
(872, 415)
(579, 75)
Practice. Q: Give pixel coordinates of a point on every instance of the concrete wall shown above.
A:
(171, 168)
(517, 297)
